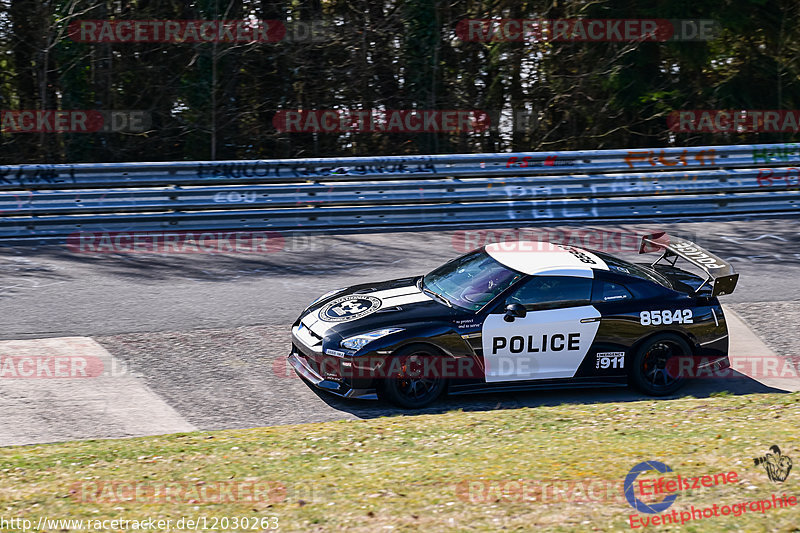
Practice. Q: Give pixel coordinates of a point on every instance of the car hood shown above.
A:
(364, 308)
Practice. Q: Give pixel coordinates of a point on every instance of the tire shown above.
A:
(650, 372)
(409, 388)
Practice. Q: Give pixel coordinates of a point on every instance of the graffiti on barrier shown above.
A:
(264, 169)
(27, 175)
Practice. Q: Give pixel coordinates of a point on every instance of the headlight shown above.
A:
(359, 341)
(326, 295)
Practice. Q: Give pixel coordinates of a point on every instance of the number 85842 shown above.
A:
(666, 317)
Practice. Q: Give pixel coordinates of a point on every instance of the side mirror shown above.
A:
(514, 311)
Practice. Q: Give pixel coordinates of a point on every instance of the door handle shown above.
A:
(593, 319)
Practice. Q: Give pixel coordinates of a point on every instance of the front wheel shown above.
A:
(414, 382)
(654, 371)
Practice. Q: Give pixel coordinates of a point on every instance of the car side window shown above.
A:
(549, 292)
(609, 291)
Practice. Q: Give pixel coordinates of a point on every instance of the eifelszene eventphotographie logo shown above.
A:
(652, 496)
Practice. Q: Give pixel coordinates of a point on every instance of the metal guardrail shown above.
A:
(43, 202)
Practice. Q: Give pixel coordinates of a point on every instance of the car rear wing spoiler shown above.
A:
(719, 273)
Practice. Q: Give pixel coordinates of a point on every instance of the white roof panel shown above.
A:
(546, 259)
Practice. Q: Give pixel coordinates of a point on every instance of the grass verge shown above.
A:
(491, 470)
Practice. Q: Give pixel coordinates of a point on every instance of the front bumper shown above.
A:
(308, 369)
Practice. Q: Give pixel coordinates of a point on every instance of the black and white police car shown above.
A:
(519, 316)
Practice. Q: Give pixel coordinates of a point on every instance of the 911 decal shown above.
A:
(610, 360)
(666, 317)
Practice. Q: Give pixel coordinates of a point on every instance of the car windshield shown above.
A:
(471, 281)
(618, 265)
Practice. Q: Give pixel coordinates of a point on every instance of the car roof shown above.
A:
(542, 258)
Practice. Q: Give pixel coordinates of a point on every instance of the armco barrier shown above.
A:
(50, 202)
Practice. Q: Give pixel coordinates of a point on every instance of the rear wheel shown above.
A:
(654, 370)
(414, 382)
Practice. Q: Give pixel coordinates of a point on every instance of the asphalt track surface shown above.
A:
(202, 338)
